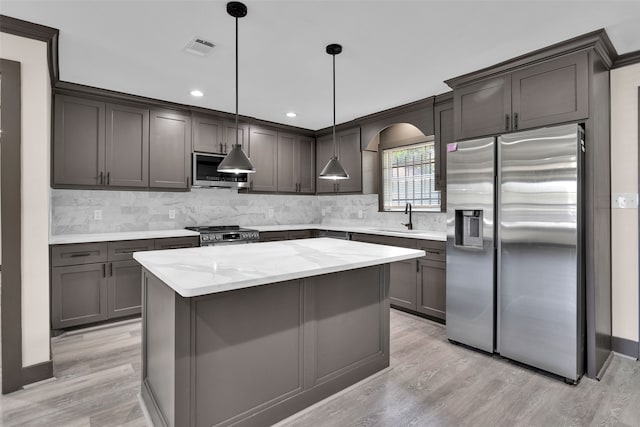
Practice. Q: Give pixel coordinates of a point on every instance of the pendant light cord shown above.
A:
(237, 126)
(334, 106)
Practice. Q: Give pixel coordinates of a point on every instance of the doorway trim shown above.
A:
(10, 141)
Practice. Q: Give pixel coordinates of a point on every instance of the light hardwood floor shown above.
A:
(431, 383)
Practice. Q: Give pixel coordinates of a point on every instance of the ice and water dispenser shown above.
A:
(469, 228)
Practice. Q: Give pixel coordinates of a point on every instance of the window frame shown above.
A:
(397, 145)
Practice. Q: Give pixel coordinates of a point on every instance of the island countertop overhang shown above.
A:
(207, 270)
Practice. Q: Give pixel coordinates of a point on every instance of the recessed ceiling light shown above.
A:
(197, 93)
(291, 114)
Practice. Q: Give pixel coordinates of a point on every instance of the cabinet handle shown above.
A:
(515, 121)
(101, 177)
(108, 177)
(80, 254)
(221, 148)
(417, 266)
(110, 269)
(506, 122)
(251, 186)
(104, 270)
(187, 179)
(225, 148)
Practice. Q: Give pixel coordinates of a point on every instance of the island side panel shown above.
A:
(248, 348)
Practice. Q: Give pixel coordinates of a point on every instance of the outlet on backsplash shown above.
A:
(97, 215)
(270, 213)
(172, 214)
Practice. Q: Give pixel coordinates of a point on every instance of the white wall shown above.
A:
(624, 179)
(36, 130)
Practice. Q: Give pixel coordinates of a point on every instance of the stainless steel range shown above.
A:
(225, 235)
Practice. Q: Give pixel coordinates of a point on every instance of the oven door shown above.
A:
(205, 173)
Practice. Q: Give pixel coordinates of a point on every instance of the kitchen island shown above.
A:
(250, 334)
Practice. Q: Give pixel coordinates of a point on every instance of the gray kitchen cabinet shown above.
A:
(295, 164)
(214, 135)
(483, 108)
(431, 282)
(78, 141)
(170, 150)
(443, 124)
(550, 92)
(350, 155)
(263, 152)
(127, 145)
(275, 236)
(100, 144)
(177, 242)
(78, 295)
(92, 282)
(124, 293)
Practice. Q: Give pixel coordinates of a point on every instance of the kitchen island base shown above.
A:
(254, 356)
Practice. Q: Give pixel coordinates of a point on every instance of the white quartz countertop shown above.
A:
(382, 231)
(110, 237)
(212, 269)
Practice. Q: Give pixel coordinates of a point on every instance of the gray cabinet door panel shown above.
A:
(432, 288)
(170, 150)
(483, 108)
(124, 288)
(288, 163)
(351, 158)
(264, 156)
(123, 250)
(552, 92)
(306, 165)
(177, 242)
(443, 136)
(78, 295)
(127, 146)
(78, 141)
(80, 253)
(229, 136)
(207, 135)
(402, 284)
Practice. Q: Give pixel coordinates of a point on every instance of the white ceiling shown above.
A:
(394, 52)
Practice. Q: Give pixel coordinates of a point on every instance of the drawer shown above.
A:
(81, 253)
(177, 242)
(436, 251)
(123, 250)
(385, 240)
(299, 234)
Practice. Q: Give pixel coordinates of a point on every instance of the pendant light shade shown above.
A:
(333, 169)
(236, 161)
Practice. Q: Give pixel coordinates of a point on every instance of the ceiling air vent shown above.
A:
(199, 46)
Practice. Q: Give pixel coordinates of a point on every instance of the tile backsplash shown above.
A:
(73, 211)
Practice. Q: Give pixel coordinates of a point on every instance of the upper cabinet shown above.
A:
(99, 144)
(213, 135)
(549, 92)
(296, 164)
(443, 123)
(170, 150)
(263, 153)
(350, 155)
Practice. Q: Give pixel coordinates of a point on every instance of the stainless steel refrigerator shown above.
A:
(515, 264)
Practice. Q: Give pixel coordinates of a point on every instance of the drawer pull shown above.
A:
(433, 252)
(130, 250)
(79, 254)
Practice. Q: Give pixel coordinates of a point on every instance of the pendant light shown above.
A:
(333, 169)
(236, 161)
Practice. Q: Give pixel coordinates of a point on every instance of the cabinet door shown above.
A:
(124, 288)
(552, 92)
(482, 108)
(350, 156)
(324, 151)
(207, 134)
(306, 165)
(169, 152)
(177, 242)
(127, 145)
(78, 295)
(402, 288)
(287, 163)
(78, 141)
(443, 135)
(229, 136)
(264, 156)
(432, 288)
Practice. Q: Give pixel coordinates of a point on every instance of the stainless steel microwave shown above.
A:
(205, 173)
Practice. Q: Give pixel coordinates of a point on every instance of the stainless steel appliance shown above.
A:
(515, 263)
(225, 235)
(205, 173)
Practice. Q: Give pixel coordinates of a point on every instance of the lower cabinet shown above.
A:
(93, 282)
(274, 236)
(417, 285)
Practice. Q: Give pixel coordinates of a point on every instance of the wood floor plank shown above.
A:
(431, 383)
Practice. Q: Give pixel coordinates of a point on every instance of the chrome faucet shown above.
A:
(407, 210)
